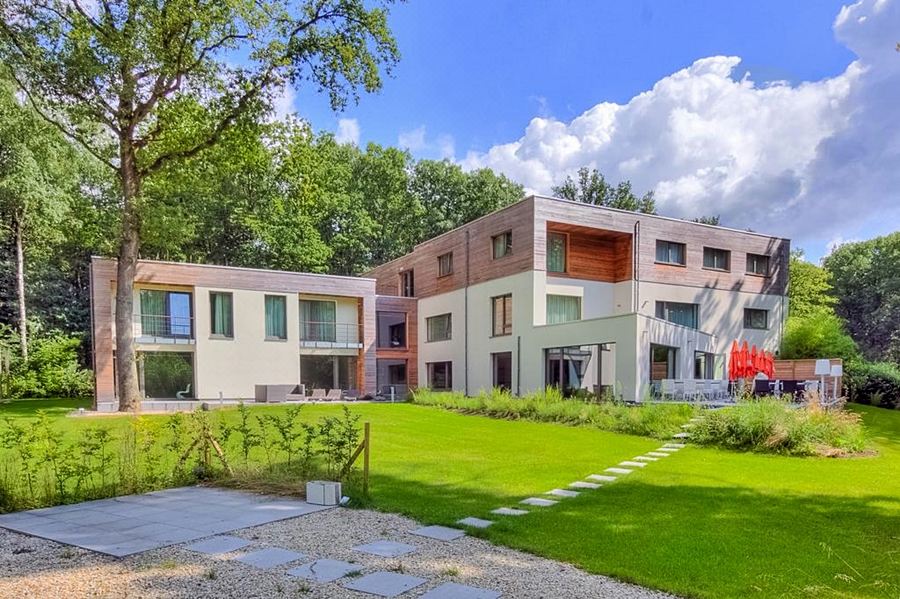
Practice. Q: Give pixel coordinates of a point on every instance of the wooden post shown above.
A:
(366, 440)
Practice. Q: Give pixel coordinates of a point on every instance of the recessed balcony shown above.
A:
(330, 335)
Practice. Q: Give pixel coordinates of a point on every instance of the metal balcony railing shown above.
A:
(154, 328)
(329, 334)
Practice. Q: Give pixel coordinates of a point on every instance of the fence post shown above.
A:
(366, 440)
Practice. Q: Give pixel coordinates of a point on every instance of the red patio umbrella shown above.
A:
(744, 361)
(754, 363)
(733, 361)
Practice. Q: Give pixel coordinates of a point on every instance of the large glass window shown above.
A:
(704, 365)
(391, 329)
(317, 320)
(407, 284)
(440, 375)
(501, 308)
(670, 252)
(439, 327)
(166, 375)
(501, 245)
(445, 264)
(276, 317)
(165, 314)
(501, 364)
(716, 259)
(221, 314)
(663, 362)
(328, 372)
(563, 308)
(756, 319)
(556, 252)
(683, 314)
(569, 367)
(758, 264)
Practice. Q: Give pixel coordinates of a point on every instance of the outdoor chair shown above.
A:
(184, 394)
(352, 395)
(667, 389)
(690, 390)
(333, 395)
(317, 395)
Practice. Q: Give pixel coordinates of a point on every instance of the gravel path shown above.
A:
(32, 567)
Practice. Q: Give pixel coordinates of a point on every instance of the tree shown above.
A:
(707, 220)
(118, 77)
(809, 290)
(822, 336)
(592, 188)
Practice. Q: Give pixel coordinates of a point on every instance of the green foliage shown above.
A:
(875, 383)
(592, 188)
(810, 289)
(649, 420)
(52, 370)
(771, 425)
(820, 335)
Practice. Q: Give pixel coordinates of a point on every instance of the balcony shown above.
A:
(329, 335)
(163, 330)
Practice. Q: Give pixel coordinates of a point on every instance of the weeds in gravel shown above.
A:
(450, 571)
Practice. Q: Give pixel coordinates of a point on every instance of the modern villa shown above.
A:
(542, 292)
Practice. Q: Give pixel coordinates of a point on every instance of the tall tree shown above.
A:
(114, 74)
(810, 291)
(592, 188)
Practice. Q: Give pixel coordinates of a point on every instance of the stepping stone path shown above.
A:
(562, 493)
(618, 470)
(604, 478)
(453, 590)
(539, 502)
(219, 544)
(385, 584)
(509, 511)
(324, 570)
(441, 533)
(657, 454)
(668, 449)
(474, 522)
(643, 458)
(580, 484)
(632, 464)
(271, 557)
(385, 548)
(681, 436)
(675, 445)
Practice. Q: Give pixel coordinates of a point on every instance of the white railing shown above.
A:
(324, 333)
(154, 328)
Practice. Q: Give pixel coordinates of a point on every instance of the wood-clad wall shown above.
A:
(410, 353)
(595, 255)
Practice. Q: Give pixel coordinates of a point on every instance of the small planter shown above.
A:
(323, 492)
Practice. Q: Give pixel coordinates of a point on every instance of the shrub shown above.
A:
(815, 336)
(52, 370)
(875, 383)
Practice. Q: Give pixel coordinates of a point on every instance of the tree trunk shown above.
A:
(20, 283)
(129, 248)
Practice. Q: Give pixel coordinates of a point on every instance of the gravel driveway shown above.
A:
(33, 567)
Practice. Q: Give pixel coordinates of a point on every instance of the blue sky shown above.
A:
(473, 75)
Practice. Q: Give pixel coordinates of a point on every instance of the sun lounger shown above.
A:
(317, 395)
(333, 395)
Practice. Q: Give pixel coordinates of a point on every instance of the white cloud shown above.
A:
(417, 141)
(413, 140)
(809, 161)
(347, 131)
(283, 103)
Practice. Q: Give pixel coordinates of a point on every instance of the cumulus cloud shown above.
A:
(806, 161)
(347, 131)
(417, 141)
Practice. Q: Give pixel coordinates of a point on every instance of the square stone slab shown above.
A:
(658, 454)
(441, 533)
(580, 484)
(324, 570)
(618, 470)
(385, 548)
(632, 464)
(603, 478)
(385, 584)
(681, 436)
(539, 502)
(270, 557)
(675, 445)
(562, 493)
(474, 522)
(668, 449)
(220, 544)
(509, 511)
(453, 590)
(645, 458)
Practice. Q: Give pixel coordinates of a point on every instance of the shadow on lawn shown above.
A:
(53, 407)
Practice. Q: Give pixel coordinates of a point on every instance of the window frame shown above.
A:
(283, 299)
(495, 357)
(448, 374)
(662, 304)
(428, 319)
(230, 333)
(671, 243)
(507, 327)
(579, 300)
(727, 254)
(755, 273)
(441, 264)
(565, 237)
(408, 283)
(748, 319)
(507, 245)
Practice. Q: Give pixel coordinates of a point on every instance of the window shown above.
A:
(439, 327)
(391, 329)
(276, 317)
(502, 367)
(445, 264)
(502, 310)
(683, 314)
(758, 264)
(563, 308)
(317, 320)
(166, 375)
(716, 259)
(756, 319)
(165, 314)
(328, 372)
(704, 365)
(663, 361)
(221, 314)
(556, 252)
(407, 284)
(501, 245)
(669, 252)
(440, 375)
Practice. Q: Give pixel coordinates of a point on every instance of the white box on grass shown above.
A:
(323, 492)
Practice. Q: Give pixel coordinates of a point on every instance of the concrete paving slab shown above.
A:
(681, 436)
(385, 548)
(324, 570)
(538, 502)
(454, 590)
(658, 454)
(675, 445)
(615, 470)
(645, 458)
(509, 511)
(668, 449)
(219, 544)
(603, 478)
(270, 557)
(385, 584)
(632, 464)
(562, 493)
(474, 522)
(580, 484)
(441, 533)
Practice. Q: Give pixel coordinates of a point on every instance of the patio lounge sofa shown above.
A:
(279, 393)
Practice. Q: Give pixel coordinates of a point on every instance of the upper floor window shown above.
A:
(276, 317)
(758, 264)
(670, 252)
(391, 329)
(439, 327)
(755, 318)
(556, 252)
(165, 313)
(318, 320)
(683, 314)
(445, 264)
(501, 245)
(407, 284)
(502, 315)
(716, 259)
(221, 311)
(563, 308)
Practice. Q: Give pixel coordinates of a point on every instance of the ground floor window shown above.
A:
(440, 375)
(328, 372)
(704, 365)
(662, 362)
(166, 375)
(501, 364)
(568, 367)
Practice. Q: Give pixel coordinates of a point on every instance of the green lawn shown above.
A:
(703, 522)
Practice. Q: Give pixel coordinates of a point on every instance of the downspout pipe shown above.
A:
(466, 318)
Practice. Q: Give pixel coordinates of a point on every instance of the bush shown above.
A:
(773, 425)
(52, 370)
(549, 405)
(875, 383)
(815, 336)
